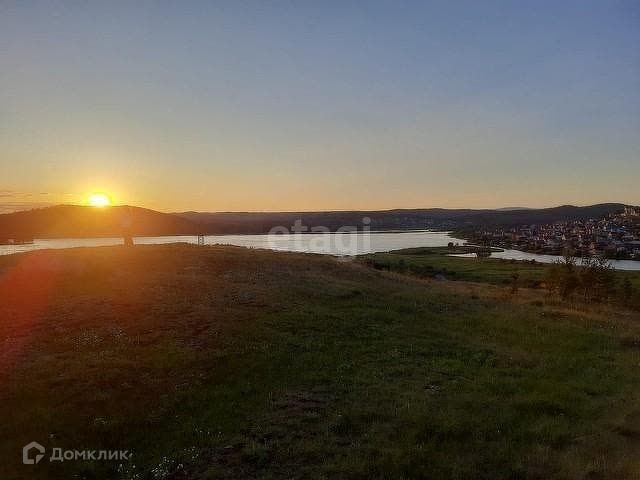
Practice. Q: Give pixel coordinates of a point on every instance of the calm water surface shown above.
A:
(325, 243)
(351, 243)
(518, 255)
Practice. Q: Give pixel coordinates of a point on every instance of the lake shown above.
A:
(349, 243)
(518, 255)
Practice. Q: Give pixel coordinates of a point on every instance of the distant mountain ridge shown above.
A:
(80, 221)
(508, 209)
(398, 219)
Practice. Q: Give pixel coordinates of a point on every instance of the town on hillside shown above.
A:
(615, 236)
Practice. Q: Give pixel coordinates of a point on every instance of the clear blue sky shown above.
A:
(320, 105)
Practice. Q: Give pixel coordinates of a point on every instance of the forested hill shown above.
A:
(402, 219)
(78, 221)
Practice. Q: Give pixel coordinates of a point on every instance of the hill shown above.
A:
(222, 362)
(537, 216)
(78, 221)
(401, 219)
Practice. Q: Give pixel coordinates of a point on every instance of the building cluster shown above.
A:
(615, 236)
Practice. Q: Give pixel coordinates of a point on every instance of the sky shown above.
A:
(320, 105)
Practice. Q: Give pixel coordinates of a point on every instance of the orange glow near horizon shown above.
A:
(99, 200)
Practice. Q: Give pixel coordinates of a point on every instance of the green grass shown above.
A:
(221, 362)
(428, 262)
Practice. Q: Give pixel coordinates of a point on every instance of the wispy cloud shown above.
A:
(18, 195)
(9, 207)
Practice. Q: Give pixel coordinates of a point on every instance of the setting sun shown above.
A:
(99, 200)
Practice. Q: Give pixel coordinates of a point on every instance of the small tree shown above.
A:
(597, 280)
(562, 277)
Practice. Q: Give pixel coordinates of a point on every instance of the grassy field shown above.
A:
(431, 261)
(222, 362)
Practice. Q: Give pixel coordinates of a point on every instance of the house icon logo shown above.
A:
(27, 457)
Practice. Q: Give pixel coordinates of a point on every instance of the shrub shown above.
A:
(594, 279)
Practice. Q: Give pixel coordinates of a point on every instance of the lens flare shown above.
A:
(99, 200)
